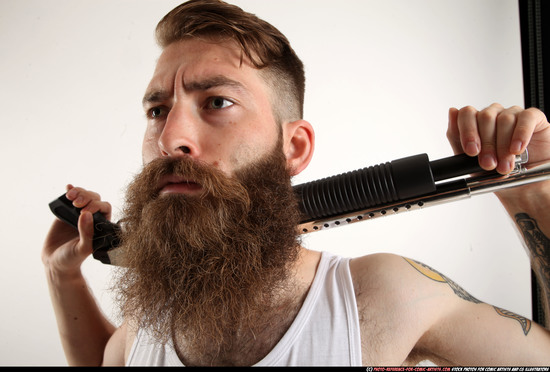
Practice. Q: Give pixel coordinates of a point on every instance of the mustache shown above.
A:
(164, 171)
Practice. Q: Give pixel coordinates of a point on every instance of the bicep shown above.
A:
(468, 331)
(481, 334)
(422, 314)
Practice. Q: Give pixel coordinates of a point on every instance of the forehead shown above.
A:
(190, 50)
(195, 59)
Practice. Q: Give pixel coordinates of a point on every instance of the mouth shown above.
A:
(178, 185)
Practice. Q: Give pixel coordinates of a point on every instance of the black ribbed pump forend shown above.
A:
(365, 188)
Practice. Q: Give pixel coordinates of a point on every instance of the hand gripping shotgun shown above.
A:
(404, 184)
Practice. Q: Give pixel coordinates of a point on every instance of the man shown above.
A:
(214, 271)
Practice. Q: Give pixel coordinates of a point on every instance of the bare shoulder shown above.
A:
(389, 285)
(365, 266)
(382, 271)
(119, 345)
(398, 301)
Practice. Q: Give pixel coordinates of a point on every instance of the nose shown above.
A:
(180, 135)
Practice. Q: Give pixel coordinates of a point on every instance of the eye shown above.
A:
(217, 103)
(156, 112)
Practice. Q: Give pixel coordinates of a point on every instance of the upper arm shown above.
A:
(467, 331)
(115, 350)
(481, 334)
(410, 312)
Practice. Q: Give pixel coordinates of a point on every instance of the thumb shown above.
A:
(86, 231)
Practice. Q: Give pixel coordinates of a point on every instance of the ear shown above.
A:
(298, 145)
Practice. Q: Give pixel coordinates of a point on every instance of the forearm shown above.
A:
(529, 207)
(83, 329)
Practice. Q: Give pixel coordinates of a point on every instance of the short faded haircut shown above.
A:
(266, 47)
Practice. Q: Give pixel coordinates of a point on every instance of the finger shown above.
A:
(80, 197)
(89, 201)
(453, 134)
(86, 231)
(467, 127)
(486, 122)
(98, 206)
(505, 126)
(528, 122)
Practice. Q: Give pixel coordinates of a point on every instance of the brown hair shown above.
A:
(265, 46)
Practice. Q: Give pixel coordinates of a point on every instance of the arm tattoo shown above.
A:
(428, 272)
(438, 277)
(539, 246)
(525, 323)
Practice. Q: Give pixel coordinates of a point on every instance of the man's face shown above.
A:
(203, 103)
(215, 254)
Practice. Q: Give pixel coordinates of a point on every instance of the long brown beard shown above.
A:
(205, 268)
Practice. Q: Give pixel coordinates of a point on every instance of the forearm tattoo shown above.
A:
(428, 272)
(539, 246)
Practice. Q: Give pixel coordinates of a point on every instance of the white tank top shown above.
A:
(324, 333)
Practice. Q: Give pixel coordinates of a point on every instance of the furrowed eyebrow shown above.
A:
(155, 97)
(213, 82)
(162, 95)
